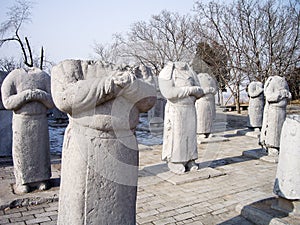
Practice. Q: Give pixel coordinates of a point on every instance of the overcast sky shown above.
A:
(68, 28)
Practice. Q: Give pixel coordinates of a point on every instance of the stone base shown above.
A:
(261, 155)
(211, 139)
(287, 206)
(262, 213)
(162, 171)
(248, 132)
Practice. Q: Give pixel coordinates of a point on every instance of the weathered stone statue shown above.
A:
(287, 183)
(277, 94)
(256, 105)
(180, 86)
(205, 106)
(100, 153)
(5, 125)
(27, 93)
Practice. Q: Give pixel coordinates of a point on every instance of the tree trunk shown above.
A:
(237, 99)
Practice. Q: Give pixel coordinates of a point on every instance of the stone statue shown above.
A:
(287, 183)
(180, 86)
(100, 154)
(205, 106)
(256, 105)
(27, 93)
(5, 125)
(277, 94)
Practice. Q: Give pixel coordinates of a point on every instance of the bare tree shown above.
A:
(17, 15)
(110, 52)
(9, 64)
(166, 37)
(260, 38)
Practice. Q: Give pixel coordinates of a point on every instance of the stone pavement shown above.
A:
(241, 181)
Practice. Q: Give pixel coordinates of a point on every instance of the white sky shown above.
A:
(68, 28)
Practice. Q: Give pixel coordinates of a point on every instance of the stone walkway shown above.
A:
(240, 181)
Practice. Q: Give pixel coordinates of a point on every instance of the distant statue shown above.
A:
(180, 86)
(27, 93)
(256, 105)
(5, 125)
(100, 153)
(277, 95)
(205, 106)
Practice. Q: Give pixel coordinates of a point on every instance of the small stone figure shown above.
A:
(5, 125)
(27, 93)
(205, 106)
(256, 105)
(180, 86)
(287, 183)
(277, 94)
(100, 154)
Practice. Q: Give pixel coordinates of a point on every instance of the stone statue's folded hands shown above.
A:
(196, 91)
(123, 80)
(209, 90)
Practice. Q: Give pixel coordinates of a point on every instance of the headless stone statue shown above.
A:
(256, 105)
(277, 94)
(205, 106)
(100, 154)
(5, 125)
(287, 183)
(180, 86)
(27, 93)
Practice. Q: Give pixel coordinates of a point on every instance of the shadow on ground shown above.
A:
(162, 167)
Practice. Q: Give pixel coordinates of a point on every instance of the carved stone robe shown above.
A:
(179, 138)
(100, 153)
(28, 94)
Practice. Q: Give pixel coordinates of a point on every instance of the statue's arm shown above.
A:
(276, 96)
(73, 94)
(10, 98)
(142, 94)
(44, 97)
(169, 91)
